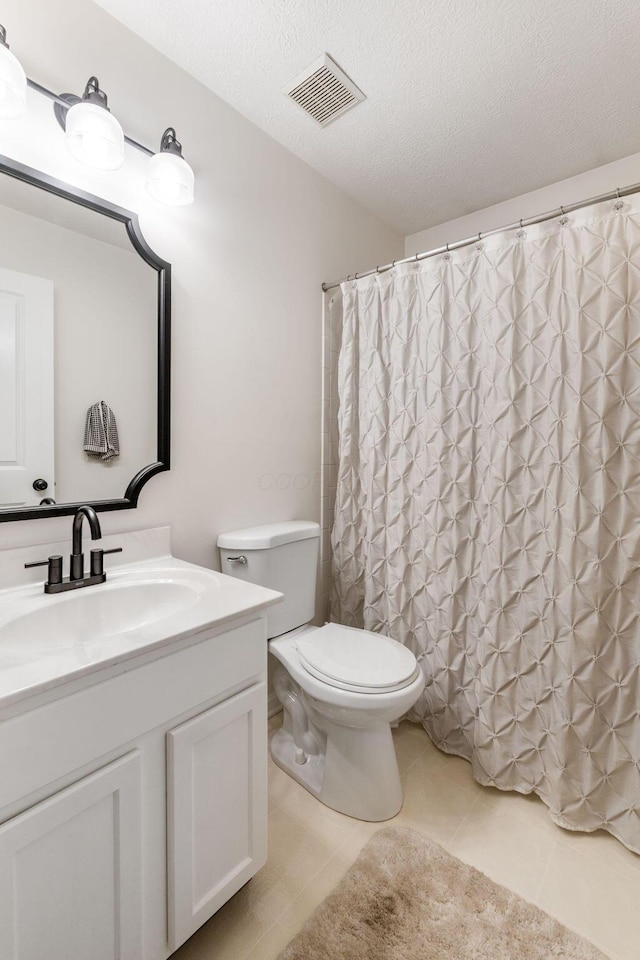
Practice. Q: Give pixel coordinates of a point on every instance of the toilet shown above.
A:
(340, 688)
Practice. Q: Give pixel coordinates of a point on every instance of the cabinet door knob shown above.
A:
(40, 485)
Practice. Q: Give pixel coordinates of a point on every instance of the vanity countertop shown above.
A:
(49, 640)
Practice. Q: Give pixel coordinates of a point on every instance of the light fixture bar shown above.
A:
(65, 103)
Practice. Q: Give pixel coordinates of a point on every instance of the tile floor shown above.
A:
(589, 882)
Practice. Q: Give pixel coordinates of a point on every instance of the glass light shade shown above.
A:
(13, 85)
(170, 179)
(94, 136)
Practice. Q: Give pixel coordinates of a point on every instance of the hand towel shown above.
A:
(101, 432)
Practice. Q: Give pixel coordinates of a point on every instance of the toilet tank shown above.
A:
(281, 556)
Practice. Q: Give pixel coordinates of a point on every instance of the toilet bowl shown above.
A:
(340, 687)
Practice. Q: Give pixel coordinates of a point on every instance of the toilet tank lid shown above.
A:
(269, 535)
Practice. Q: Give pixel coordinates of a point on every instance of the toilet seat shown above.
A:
(356, 660)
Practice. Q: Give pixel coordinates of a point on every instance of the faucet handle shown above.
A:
(54, 564)
(96, 568)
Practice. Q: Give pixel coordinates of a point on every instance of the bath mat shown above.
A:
(405, 898)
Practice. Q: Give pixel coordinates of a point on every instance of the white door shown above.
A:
(26, 388)
(70, 871)
(217, 808)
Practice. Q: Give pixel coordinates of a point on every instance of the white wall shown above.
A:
(600, 180)
(248, 260)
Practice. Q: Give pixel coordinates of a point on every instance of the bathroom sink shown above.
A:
(138, 607)
(144, 608)
(98, 612)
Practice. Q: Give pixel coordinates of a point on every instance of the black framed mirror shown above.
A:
(85, 326)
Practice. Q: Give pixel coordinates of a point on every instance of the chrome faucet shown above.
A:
(55, 582)
(76, 568)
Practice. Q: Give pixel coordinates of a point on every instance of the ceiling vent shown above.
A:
(324, 91)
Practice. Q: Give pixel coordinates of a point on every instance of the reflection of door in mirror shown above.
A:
(26, 388)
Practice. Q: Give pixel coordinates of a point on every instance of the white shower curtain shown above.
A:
(488, 503)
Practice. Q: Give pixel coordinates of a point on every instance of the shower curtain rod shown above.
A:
(616, 194)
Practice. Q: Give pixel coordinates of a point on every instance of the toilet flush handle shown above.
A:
(242, 560)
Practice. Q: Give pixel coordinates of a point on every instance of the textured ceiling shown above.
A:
(469, 101)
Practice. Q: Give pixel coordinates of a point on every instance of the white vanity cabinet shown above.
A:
(133, 805)
(70, 871)
(216, 835)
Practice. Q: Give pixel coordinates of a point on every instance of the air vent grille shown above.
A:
(324, 91)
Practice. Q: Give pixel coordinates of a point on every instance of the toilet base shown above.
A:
(337, 743)
(309, 774)
(358, 775)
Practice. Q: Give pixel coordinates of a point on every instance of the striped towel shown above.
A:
(101, 432)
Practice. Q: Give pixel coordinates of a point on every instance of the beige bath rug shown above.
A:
(405, 898)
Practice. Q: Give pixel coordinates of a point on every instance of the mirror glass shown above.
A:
(78, 352)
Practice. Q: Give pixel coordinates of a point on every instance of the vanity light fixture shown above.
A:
(93, 135)
(13, 82)
(169, 177)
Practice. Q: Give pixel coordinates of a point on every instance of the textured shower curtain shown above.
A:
(488, 503)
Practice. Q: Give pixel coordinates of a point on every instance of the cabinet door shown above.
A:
(70, 871)
(217, 808)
